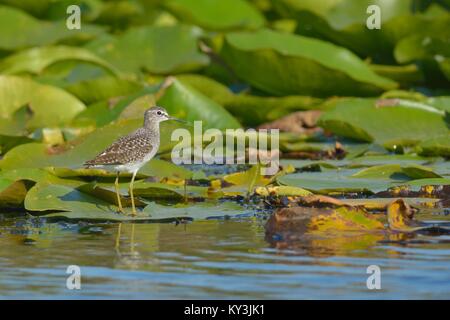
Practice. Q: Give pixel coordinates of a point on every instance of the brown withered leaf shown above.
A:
(299, 227)
(400, 217)
(321, 201)
(338, 152)
(297, 122)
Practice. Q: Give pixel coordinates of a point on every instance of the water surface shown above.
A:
(211, 260)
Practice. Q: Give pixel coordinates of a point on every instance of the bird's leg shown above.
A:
(119, 202)
(131, 194)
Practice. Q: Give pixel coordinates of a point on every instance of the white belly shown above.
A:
(130, 167)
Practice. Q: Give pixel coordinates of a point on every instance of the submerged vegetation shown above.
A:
(363, 113)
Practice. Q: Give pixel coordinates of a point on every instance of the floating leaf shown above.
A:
(345, 22)
(403, 160)
(183, 101)
(19, 30)
(245, 181)
(335, 181)
(281, 191)
(79, 206)
(136, 50)
(102, 88)
(210, 14)
(400, 217)
(35, 60)
(283, 64)
(43, 197)
(44, 101)
(102, 113)
(439, 146)
(390, 125)
(249, 109)
(165, 169)
(313, 221)
(380, 204)
(12, 193)
(396, 171)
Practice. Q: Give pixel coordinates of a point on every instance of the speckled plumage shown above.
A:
(129, 149)
(131, 152)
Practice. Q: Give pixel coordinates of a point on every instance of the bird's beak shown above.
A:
(179, 120)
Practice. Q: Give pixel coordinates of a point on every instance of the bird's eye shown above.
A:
(159, 113)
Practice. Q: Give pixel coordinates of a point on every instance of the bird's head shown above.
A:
(155, 115)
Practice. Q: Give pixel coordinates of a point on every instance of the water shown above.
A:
(212, 260)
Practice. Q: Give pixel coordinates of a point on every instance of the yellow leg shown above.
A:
(131, 194)
(119, 202)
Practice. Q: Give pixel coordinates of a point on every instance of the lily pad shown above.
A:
(403, 160)
(210, 14)
(344, 22)
(43, 100)
(332, 181)
(250, 110)
(33, 32)
(79, 206)
(102, 88)
(281, 191)
(392, 170)
(135, 49)
(390, 125)
(302, 222)
(183, 101)
(43, 197)
(439, 146)
(12, 193)
(35, 60)
(283, 64)
(101, 113)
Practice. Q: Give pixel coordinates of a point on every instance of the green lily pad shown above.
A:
(377, 160)
(101, 113)
(407, 75)
(183, 101)
(398, 124)
(283, 64)
(43, 197)
(38, 175)
(20, 30)
(35, 60)
(209, 14)
(80, 206)
(102, 88)
(43, 100)
(197, 211)
(166, 169)
(304, 164)
(344, 22)
(250, 110)
(332, 181)
(392, 170)
(12, 193)
(135, 49)
(439, 146)
(341, 14)
(416, 184)
(426, 48)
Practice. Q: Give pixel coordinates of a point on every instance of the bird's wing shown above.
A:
(128, 149)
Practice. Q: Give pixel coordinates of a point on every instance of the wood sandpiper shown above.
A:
(131, 152)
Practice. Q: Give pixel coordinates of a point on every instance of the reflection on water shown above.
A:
(212, 259)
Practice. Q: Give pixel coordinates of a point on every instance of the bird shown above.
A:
(131, 152)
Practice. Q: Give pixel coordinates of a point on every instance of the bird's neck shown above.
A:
(152, 127)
